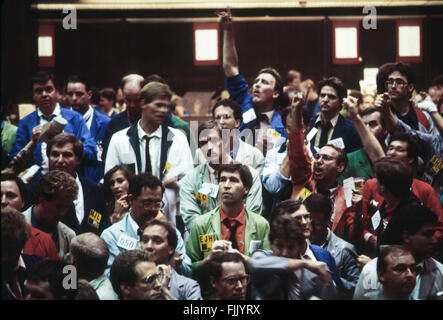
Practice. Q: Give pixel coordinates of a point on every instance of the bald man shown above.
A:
(89, 254)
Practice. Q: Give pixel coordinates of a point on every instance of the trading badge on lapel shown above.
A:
(94, 218)
(205, 242)
(273, 134)
(304, 193)
(202, 199)
(435, 164)
(167, 166)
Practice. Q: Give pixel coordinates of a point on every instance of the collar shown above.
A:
(132, 223)
(328, 237)
(141, 133)
(56, 111)
(21, 263)
(269, 114)
(88, 114)
(241, 218)
(308, 253)
(333, 121)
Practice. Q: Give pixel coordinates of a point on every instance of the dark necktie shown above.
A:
(262, 118)
(148, 157)
(140, 233)
(48, 118)
(324, 133)
(232, 230)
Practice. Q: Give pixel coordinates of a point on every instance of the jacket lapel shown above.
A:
(250, 232)
(133, 140)
(166, 143)
(427, 279)
(340, 207)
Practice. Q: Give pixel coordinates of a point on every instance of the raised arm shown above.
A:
(368, 140)
(230, 57)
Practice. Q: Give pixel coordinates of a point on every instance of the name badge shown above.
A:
(376, 218)
(126, 242)
(205, 242)
(337, 142)
(435, 164)
(99, 150)
(359, 183)
(210, 189)
(202, 199)
(273, 135)
(94, 218)
(304, 193)
(254, 245)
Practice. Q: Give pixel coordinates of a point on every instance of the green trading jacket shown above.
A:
(191, 207)
(207, 229)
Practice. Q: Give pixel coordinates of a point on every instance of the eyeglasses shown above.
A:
(152, 278)
(325, 157)
(232, 282)
(398, 82)
(152, 204)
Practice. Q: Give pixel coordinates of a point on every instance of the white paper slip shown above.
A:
(254, 245)
(209, 189)
(249, 115)
(311, 133)
(376, 218)
(337, 142)
(30, 173)
(127, 242)
(348, 186)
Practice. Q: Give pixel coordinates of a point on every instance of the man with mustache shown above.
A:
(230, 225)
(330, 126)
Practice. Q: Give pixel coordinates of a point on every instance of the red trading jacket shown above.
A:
(40, 244)
(302, 176)
(423, 191)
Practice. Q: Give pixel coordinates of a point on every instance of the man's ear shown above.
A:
(237, 123)
(340, 167)
(130, 199)
(405, 238)
(89, 94)
(275, 94)
(381, 278)
(125, 289)
(212, 281)
(410, 87)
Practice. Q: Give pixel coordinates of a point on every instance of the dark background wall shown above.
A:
(104, 52)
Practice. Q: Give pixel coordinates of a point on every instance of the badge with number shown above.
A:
(126, 242)
(94, 218)
(205, 242)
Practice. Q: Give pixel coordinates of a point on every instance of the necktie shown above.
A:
(48, 118)
(232, 230)
(148, 157)
(262, 118)
(139, 232)
(324, 133)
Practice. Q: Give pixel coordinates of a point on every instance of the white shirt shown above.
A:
(333, 122)
(154, 149)
(88, 117)
(79, 203)
(45, 161)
